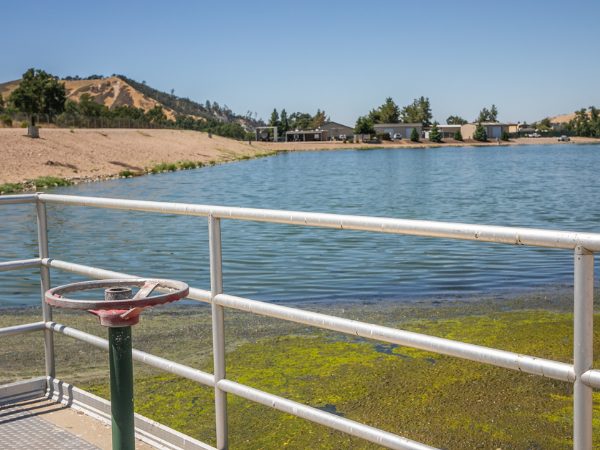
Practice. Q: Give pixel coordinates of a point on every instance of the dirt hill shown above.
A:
(563, 118)
(111, 92)
(120, 91)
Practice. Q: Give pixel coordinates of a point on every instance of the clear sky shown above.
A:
(531, 59)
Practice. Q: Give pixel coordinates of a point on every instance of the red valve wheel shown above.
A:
(118, 310)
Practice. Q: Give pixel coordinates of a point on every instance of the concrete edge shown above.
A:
(23, 390)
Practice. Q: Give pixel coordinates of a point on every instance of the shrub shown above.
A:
(25, 124)
(504, 136)
(383, 136)
(434, 134)
(187, 164)
(171, 167)
(479, 134)
(458, 135)
(126, 173)
(159, 168)
(6, 120)
(414, 136)
(9, 188)
(49, 181)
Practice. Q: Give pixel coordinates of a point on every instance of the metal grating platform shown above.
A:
(21, 429)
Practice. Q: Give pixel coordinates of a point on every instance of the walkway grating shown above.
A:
(21, 428)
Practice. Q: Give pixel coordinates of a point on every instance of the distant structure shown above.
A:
(263, 135)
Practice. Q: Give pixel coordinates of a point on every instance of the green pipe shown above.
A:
(121, 388)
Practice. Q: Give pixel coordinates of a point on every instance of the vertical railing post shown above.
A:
(45, 285)
(216, 288)
(583, 347)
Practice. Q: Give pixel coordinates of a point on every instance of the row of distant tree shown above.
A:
(231, 130)
(296, 121)
(419, 111)
(181, 105)
(187, 107)
(91, 77)
(586, 123)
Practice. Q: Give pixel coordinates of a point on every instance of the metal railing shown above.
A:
(581, 373)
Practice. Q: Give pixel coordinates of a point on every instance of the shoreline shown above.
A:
(65, 157)
(550, 292)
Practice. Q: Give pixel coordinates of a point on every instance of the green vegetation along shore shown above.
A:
(441, 401)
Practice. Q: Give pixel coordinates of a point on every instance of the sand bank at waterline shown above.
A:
(93, 153)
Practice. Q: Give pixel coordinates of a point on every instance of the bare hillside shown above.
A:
(111, 92)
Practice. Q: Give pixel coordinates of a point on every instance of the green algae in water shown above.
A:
(452, 404)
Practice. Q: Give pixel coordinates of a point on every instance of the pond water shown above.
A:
(538, 186)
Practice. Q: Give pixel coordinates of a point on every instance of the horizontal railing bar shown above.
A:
(528, 364)
(347, 426)
(591, 378)
(21, 329)
(94, 272)
(20, 264)
(16, 199)
(483, 233)
(143, 357)
(500, 358)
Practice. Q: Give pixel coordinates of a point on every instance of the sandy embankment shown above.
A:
(93, 153)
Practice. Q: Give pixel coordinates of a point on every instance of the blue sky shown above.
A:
(529, 58)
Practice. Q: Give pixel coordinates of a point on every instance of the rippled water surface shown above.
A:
(550, 187)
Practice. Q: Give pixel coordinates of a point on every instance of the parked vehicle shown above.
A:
(535, 135)
(563, 138)
(398, 136)
(342, 137)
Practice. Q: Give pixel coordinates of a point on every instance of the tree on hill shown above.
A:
(1, 103)
(88, 107)
(39, 93)
(434, 134)
(156, 115)
(546, 122)
(479, 134)
(128, 112)
(71, 108)
(364, 125)
(419, 111)
(455, 120)
(458, 135)
(414, 135)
